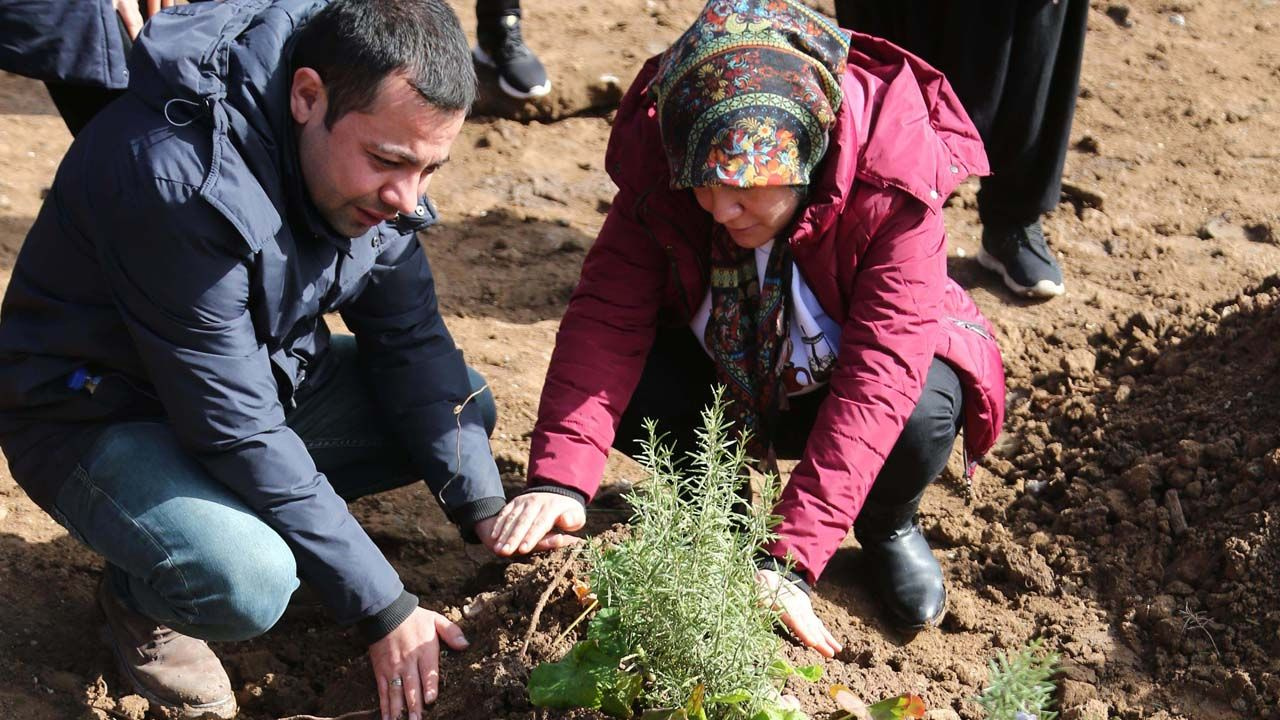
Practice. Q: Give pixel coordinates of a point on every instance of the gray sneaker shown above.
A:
(1022, 257)
(167, 668)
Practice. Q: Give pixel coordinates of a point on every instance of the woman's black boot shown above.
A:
(904, 574)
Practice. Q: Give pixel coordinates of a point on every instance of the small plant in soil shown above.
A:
(681, 631)
(1019, 685)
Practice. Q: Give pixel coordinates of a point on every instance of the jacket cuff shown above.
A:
(769, 562)
(466, 516)
(378, 626)
(558, 490)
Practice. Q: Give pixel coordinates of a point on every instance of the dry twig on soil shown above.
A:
(546, 595)
(357, 715)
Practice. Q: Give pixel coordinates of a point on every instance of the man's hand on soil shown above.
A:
(530, 523)
(797, 612)
(406, 663)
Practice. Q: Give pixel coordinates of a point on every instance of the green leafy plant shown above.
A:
(682, 632)
(1019, 685)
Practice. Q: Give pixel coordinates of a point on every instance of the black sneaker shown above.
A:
(501, 46)
(1021, 255)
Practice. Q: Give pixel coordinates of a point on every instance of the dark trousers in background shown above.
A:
(488, 11)
(677, 384)
(1015, 65)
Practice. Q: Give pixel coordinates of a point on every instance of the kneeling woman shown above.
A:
(778, 230)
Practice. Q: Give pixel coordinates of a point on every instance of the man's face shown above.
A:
(373, 163)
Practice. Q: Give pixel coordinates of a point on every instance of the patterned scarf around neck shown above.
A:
(747, 334)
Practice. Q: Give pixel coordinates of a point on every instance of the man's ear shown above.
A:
(307, 97)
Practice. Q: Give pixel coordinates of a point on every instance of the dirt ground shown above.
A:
(1128, 516)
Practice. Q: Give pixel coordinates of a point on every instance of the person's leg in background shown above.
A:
(1015, 66)
(77, 104)
(500, 45)
(1029, 136)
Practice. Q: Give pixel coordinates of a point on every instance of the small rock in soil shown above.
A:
(1075, 693)
(133, 707)
(1120, 15)
(1220, 228)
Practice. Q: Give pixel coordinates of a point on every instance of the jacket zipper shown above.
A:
(971, 326)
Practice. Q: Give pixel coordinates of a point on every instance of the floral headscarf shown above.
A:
(747, 95)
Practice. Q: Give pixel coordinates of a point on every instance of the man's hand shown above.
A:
(528, 523)
(406, 663)
(797, 612)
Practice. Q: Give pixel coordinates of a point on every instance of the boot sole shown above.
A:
(1042, 289)
(536, 91)
(222, 710)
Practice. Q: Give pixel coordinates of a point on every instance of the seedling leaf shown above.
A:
(587, 678)
(903, 707)
(777, 713)
(812, 673)
(667, 714)
(733, 698)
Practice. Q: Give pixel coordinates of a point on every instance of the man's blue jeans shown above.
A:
(183, 549)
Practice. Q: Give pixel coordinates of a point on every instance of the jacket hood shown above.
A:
(901, 125)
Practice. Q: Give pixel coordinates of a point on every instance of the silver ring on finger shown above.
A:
(397, 682)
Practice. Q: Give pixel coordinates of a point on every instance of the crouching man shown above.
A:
(169, 391)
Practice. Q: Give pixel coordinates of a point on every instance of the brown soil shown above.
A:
(1128, 516)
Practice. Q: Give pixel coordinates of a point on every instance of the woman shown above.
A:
(777, 230)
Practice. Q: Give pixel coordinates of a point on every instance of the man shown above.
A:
(168, 388)
(1016, 66)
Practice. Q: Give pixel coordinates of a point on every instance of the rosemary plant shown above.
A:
(683, 583)
(1019, 685)
(681, 628)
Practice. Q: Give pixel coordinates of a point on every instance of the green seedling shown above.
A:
(1020, 686)
(681, 633)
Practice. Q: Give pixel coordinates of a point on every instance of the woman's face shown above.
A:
(753, 216)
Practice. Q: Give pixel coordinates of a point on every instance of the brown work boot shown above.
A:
(166, 667)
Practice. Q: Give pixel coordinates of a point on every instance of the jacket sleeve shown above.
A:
(886, 347)
(419, 380)
(78, 42)
(600, 352)
(182, 286)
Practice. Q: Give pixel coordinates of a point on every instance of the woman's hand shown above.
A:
(529, 523)
(406, 663)
(797, 612)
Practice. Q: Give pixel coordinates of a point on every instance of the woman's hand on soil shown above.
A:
(530, 522)
(797, 612)
(411, 653)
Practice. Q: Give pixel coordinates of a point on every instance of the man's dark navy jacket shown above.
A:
(178, 258)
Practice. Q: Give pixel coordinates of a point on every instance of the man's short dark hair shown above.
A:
(354, 44)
